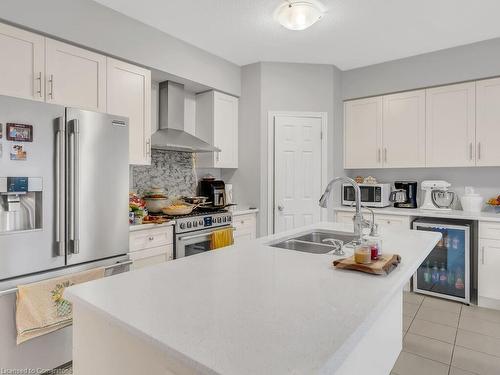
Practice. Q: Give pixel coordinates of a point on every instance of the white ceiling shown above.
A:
(353, 33)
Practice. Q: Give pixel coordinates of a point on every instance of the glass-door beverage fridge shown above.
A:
(446, 272)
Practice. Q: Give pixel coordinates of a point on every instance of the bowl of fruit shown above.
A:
(494, 203)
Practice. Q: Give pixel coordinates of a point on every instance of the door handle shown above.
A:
(39, 79)
(74, 217)
(60, 178)
(51, 84)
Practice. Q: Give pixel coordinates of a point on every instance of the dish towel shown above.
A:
(221, 238)
(41, 308)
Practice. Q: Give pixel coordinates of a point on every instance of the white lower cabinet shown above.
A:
(392, 221)
(489, 265)
(245, 227)
(151, 246)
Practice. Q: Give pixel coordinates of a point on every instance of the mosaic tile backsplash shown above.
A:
(171, 170)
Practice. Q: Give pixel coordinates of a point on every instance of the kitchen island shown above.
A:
(247, 309)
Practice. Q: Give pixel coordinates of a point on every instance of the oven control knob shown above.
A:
(219, 220)
(182, 225)
(229, 219)
(224, 219)
(195, 224)
(200, 222)
(189, 224)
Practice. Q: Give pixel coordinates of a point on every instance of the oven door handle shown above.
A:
(187, 238)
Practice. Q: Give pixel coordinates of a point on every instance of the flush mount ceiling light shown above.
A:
(299, 15)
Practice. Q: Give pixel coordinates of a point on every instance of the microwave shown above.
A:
(372, 195)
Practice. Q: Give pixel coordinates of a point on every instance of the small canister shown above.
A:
(362, 254)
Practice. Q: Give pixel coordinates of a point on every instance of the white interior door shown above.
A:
(297, 170)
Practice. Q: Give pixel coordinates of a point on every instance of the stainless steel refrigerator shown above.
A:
(64, 179)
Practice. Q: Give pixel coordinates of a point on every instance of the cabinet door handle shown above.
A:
(479, 151)
(148, 147)
(151, 238)
(385, 154)
(470, 151)
(482, 255)
(378, 155)
(51, 84)
(39, 79)
(218, 156)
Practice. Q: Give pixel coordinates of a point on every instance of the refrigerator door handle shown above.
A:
(60, 178)
(73, 186)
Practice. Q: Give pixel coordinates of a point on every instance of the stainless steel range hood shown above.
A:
(171, 135)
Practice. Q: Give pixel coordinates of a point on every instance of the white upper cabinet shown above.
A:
(22, 63)
(129, 95)
(403, 130)
(488, 122)
(75, 77)
(363, 133)
(450, 126)
(217, 124)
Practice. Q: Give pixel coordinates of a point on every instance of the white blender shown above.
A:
(437, 195)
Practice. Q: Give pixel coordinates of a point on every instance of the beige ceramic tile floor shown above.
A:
(447, 338)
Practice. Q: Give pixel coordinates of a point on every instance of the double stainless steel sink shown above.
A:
(312, 242)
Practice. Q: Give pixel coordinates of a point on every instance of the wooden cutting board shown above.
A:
(383, 266)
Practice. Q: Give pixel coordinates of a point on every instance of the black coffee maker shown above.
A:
(215, 190)
(408, 187)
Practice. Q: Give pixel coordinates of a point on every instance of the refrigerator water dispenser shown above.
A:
(20, 204)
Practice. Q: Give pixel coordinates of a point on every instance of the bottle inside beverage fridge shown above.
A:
(443, 277)
(427, 273)
(451, 278)
(435, 273)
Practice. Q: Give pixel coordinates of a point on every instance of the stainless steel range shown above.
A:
(193, 232)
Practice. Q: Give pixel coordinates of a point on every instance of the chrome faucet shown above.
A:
(359, 222)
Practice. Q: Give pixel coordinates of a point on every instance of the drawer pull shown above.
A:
(151, 238)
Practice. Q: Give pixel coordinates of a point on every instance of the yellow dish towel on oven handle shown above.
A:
(221, 238)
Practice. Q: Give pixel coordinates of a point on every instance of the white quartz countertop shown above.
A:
(452, 214)
(255, 309)
(244, 211)
(135, 227)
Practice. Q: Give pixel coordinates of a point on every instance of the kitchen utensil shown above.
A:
(437, 195)
(443, 199)
(155, 205)
(410, 187)
(471, 201)
(179, 209)
(195, 200)
(398, 196)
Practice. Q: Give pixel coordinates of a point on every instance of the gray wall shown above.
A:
(92, 25)
(470, 62)
(280, 87)
(247, 178)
